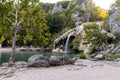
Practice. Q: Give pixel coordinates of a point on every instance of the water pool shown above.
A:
(23, 56)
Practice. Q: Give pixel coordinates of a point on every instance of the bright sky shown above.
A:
(102, 3)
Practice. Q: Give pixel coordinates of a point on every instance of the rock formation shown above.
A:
(79, 32)
(57, 8)
(114, 22)
(38, 61)
(43, 61)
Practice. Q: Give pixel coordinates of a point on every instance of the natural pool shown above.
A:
(23, 56)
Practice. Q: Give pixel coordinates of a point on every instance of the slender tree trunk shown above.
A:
(88, 17)
(12, 56)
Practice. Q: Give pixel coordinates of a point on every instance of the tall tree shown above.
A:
(28, 17)
(16, 24)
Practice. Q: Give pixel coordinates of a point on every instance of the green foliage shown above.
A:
(93, 35)
(64, 4)
(112, 57)
(32, 30)
(34, 25)
(47, 6)
(38, 24)
(82, 56)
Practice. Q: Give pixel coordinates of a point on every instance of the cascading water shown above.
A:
(66, 44)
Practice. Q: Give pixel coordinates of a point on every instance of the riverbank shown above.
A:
(4, 50)
(82, 70)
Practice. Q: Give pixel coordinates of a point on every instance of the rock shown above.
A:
(57, 8)
(108, 51)
(57, 50)
(60, 60)
(21, 64)
(38, 61)
(99, 56)
(5, 64)
(117, 60)
(113, 22)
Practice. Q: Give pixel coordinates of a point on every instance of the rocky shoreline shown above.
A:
(80, 70)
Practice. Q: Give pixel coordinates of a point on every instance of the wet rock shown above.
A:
(38, 61)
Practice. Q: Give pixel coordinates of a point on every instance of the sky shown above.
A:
(105, 4)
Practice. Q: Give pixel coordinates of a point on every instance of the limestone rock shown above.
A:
(38, 61)
(99, 56)
(60, 60)
(57, 8)
(113, 23)
(21, 64)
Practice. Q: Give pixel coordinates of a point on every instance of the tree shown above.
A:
(34, 26)
(15, 27)
(24, 16)
(6, 29)
(102, 13)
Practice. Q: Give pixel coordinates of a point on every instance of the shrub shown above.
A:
(94, 36)
(82, 56)
(112, 57)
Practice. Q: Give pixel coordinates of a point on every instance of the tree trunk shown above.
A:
(12, 56)
(88, 16)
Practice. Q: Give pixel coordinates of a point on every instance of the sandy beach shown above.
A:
(82, 70)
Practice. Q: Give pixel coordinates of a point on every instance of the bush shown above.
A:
(112, 57)
(94, 36)
(82, 56)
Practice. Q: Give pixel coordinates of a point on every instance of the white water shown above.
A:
(66, 44)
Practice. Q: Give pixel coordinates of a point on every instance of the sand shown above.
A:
(82, 70)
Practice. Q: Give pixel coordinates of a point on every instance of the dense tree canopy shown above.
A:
(32, 30)
(38, 23)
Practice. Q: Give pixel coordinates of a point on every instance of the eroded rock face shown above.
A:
(112, 49)
(79, 33)
(38, 61)
(114, 23)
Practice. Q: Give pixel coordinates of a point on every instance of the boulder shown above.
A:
(99, 56)
(60, 60)
(38, 61)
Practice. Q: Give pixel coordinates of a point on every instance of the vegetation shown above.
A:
(94, 36)
(37, 23)
(82, 56)
(112, 57)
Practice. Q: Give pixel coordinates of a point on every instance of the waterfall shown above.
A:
(66, 44)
